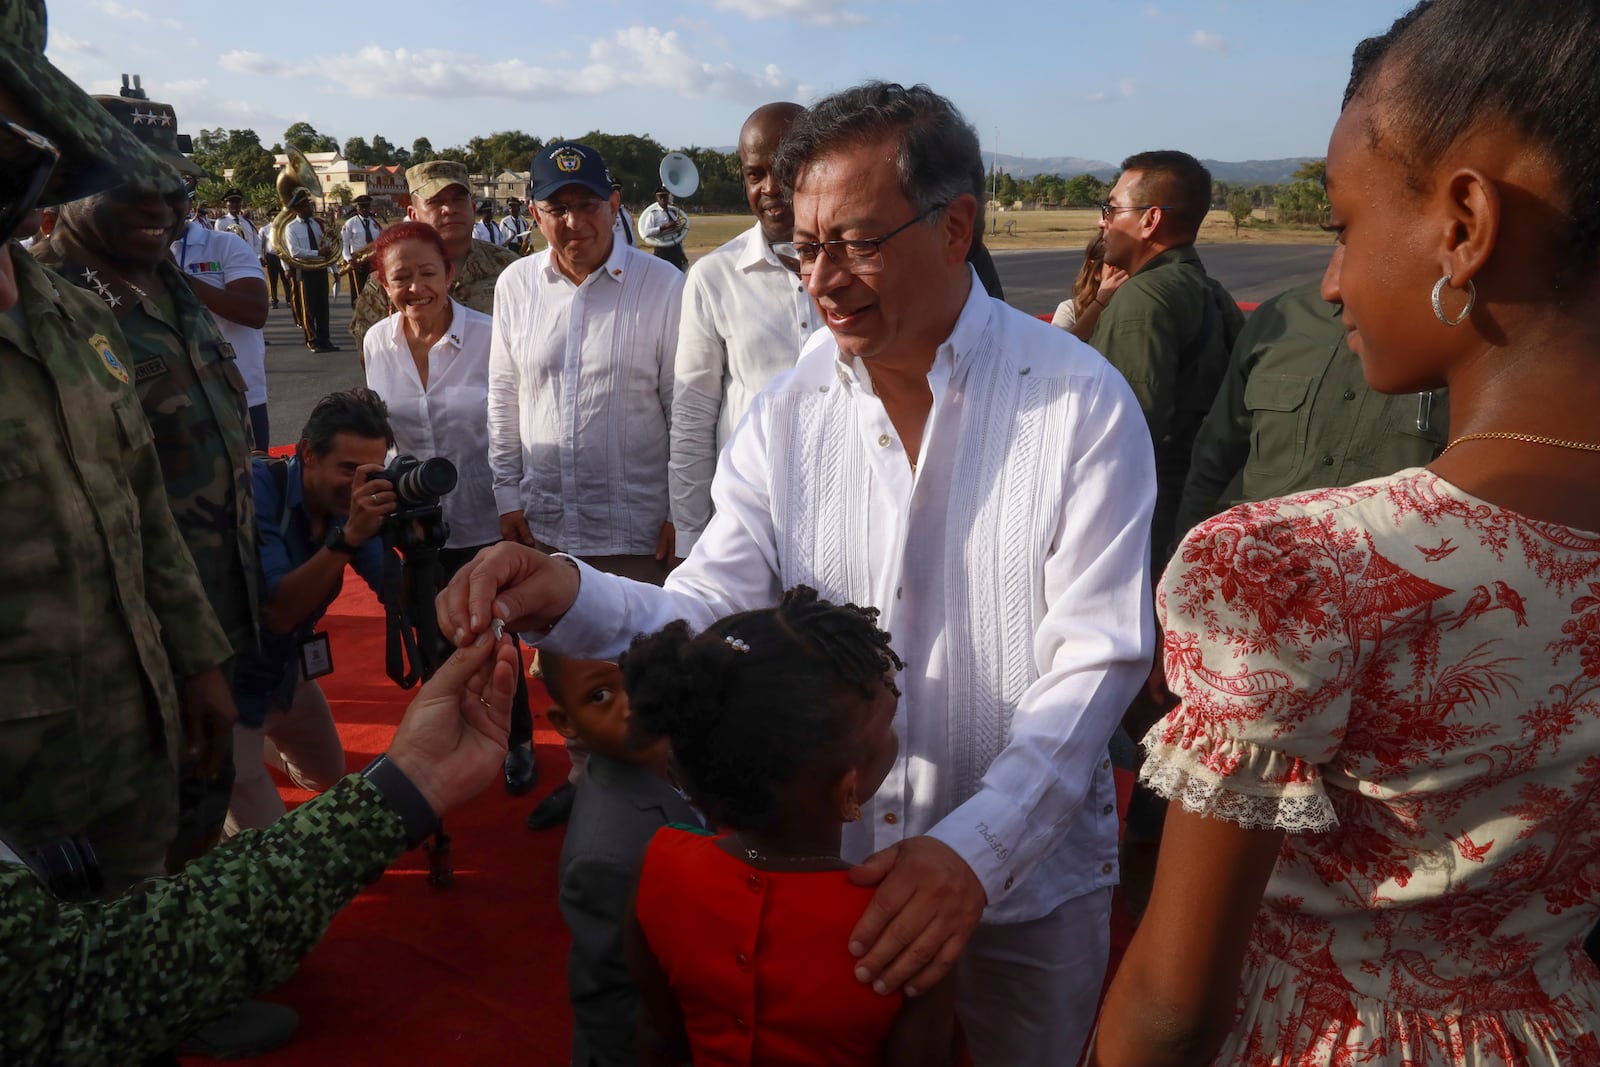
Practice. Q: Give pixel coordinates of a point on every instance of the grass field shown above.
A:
(1069, 228)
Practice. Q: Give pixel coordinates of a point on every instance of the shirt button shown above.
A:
(1327, 461)
(898, 590)
(883, 440)
(1349, 394)
(891, 818)
(743, 961)
(1105, 868)
(805, 325)
(1105, 765)
(1108, 809)
(755, 883)
(1009, 881)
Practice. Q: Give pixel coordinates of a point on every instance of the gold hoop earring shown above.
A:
(1438, 304)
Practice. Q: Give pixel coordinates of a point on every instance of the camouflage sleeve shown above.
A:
(371, 306)
(112, 983)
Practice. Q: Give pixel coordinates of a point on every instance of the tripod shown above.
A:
(413, 645)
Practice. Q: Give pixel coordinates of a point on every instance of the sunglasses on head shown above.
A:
(27, 160)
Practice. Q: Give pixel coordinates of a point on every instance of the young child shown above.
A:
(781, 725)
(622, 800)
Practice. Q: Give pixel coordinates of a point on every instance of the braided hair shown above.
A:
(760, 698)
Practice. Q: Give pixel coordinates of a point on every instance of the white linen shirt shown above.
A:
(448, 418)
(487, 231)
(1012, 568)
(580, 400)
(745, 318)
(217, 258)
(354, 235)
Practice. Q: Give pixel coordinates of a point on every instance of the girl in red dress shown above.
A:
(781, 724)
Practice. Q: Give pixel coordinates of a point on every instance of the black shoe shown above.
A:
(522, 773)
(554, 809)
(252, 1028)
(325, 348)
(274, 305)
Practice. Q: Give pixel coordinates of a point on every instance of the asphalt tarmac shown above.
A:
(1035, 282)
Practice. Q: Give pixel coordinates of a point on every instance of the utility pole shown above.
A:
(994, 183)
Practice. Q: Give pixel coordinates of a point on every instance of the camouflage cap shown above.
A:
(157, 126)
(97, 152)
(427, 180)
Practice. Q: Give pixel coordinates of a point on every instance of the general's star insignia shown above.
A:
(166, 120)
(89, 276)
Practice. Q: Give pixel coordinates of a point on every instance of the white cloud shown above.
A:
(134, 14)
(73, 46)
(640, 57)
(815, 12)
(1125, 89)
(242, 62)
(1211, 42)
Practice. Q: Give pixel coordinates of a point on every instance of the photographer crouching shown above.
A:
(315, 513)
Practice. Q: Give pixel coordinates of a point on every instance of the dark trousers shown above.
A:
(452, 560)
(313, 286)
(673, 254)
(363, 271)
(258, 426)
(275, 275)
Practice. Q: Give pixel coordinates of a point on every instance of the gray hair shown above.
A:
(936, 150)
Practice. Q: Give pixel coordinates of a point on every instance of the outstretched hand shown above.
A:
(927, 905)
(452, 740)
(521, 586)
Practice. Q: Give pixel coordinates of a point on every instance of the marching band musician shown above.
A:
(485, 229)
(304, 237)
(514, 228)
(663, 225)
(360, 230)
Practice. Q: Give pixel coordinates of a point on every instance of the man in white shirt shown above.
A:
(746, 315)
(228, 279)
(485, 229)
(662, 226)
(359, 231)
(233, 216)
(303, 235)
(984, 480)
(580, 387)
(624, 227)
(513, 228)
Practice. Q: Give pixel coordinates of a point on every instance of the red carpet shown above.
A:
(410, 974)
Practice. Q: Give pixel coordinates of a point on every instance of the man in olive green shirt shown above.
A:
(1170, 327)
(1295, 413)
(441, 196)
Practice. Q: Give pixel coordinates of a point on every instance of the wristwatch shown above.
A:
(404, 797)
(335, 540)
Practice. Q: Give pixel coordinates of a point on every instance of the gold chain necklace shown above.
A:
(1525, 438)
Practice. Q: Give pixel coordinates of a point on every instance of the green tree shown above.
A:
(1083, 191)
(421, 151)
(634, 161)
(1301, 202)
(388, 154)
(721, 180)
(1239, 209)
(341, 194)
(235, 157)
(1315, 170)
(304, 136)
(358, 152)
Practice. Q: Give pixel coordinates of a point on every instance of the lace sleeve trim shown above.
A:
(1242, 783)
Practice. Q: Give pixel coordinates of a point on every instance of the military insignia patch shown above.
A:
(568, 161)
(102, 348)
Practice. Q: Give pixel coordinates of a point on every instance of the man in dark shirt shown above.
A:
(315, 513)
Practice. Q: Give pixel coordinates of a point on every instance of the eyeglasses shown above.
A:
(559, 212)
(30, 159)
(859, 256)
(1107, 208)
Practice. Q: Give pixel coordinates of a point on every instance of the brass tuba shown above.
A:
(299, 176)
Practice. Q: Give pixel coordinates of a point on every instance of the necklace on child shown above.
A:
(757, 856)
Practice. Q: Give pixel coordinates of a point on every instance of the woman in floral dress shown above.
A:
(1386, 759)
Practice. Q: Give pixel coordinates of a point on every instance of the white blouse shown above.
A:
(449, 418)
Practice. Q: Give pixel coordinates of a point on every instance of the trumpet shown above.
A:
(299, 176)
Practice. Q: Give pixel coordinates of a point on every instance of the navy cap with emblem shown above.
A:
(568, 163)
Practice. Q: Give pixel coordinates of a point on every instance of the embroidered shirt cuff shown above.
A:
(589, 623)
(985, 831)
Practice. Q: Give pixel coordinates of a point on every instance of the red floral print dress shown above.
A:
(1407, 680)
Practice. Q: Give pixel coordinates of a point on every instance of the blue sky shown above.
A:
(1223, 80)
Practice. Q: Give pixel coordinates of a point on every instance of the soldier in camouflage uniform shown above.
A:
(441, 196)
(99, 598)
(115, 245)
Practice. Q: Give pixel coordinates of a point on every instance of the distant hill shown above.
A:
(1250, 171)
